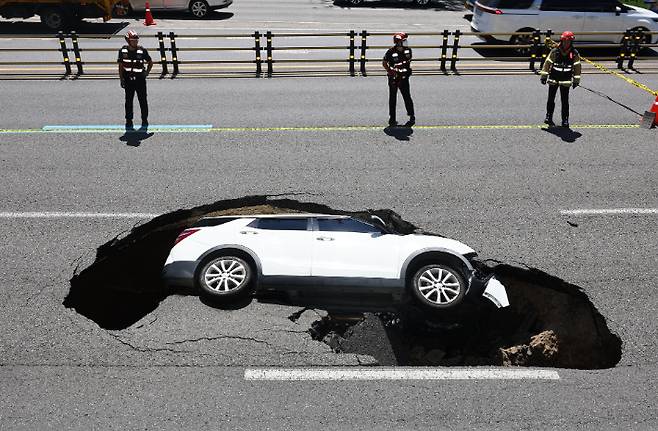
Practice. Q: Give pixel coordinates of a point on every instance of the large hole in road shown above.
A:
(550, 322)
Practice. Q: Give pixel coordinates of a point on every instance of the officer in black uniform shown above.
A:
(561, 70)
(134, 66)
(397, 62)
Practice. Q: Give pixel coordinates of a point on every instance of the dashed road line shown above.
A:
(398, 373)
(610, 211)
(208, 128)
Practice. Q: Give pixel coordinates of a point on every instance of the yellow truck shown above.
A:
(62, 14)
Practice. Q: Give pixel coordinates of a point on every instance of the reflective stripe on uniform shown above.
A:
(562, 69)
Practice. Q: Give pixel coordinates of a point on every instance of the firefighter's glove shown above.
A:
(123, 84)
(544, 79)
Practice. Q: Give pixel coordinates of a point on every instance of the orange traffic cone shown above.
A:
(149, 18)
(649, 119)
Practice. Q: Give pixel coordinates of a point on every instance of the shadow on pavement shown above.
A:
(438, 5)
(134, 138)
(564, 133)
(84, 27)
(400, 133)
(182, 15)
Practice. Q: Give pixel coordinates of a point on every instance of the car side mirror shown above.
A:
(617, 10)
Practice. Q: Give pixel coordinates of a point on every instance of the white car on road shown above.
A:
(198, 8)
(327, 260)
(509, 16)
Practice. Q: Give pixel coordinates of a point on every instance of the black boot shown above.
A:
(129, 125)
(565, 122)
(549, 120)
(392, 122)
(411, 122)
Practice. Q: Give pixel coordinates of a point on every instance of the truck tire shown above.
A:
(55, 18)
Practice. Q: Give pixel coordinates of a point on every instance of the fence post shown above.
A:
(163, 54)
(76, 52)
(270, 60)
(547, 47)
(259, 61)
(636, 45)
(65, 52)
(455, 47)
(536, 46)
(444, 50)
(352, 48)
(174, 53)
(364, 47)
(623, 49)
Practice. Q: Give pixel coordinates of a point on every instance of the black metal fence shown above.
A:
(351, 53)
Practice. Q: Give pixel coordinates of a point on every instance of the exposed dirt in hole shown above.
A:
(550, 322)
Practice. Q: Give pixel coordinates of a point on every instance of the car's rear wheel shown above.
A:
(225, 277)
(438, 286)
(422, 2)
(199, 8)
(522, 39)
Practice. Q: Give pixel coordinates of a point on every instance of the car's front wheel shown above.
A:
(522, 40)
(199, 8)
(225, 277)
(438, 286)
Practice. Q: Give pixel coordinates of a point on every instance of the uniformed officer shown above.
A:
(397, 62)
(561, 70)
(134, 66)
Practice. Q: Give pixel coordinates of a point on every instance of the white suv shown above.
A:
(509, 16)
(327, 260)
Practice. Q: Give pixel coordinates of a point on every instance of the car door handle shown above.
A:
(324, 238)
(244, 232)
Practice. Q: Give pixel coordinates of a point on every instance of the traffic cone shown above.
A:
(649, 120)
(149, 18)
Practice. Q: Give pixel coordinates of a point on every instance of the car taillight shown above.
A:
(185, 234)
(489, 9)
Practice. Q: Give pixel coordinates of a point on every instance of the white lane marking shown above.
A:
(610, 211)
(397, 373)
(74, 215)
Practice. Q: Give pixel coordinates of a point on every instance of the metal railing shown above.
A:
(350, 53)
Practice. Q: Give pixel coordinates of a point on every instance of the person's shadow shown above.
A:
(401, 133)
(564, 133)
(134, 138)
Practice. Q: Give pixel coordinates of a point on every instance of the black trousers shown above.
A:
(564, 97)
(132, 86)
(393, 96)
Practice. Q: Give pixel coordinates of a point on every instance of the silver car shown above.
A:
(198, 8)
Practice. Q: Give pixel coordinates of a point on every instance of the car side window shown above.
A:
(564, 5)
(515, 4)
(280, 223)
(346, 225)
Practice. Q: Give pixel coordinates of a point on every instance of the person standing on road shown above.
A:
(561, 69)
(134, 66)
(397, 62)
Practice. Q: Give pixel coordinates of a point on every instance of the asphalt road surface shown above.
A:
(477, 168)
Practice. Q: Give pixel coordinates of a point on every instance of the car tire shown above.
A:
(438, 286)
(355, 2)
(199, 8)
(225, 277)
(55, 18)
(422, 2)
(519, 39)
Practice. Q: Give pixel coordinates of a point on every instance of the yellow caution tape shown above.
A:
(604, 69)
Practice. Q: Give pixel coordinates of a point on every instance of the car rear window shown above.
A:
(280, 223)
(345, 225)
(507, 4)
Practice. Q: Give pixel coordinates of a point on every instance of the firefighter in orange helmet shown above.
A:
(561, 70)
(397, 62)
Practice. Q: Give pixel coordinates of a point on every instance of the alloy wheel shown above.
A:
(225, 275)
(439, 286)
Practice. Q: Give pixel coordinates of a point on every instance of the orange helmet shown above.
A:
(132, 34)
(400, 36)
(568, 35)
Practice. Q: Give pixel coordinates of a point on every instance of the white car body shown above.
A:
(312, 253)
(575, 15)
(175, 5)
